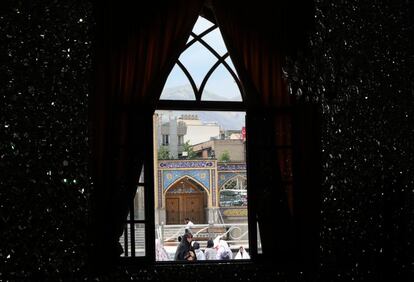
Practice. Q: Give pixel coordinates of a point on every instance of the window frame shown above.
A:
(190, 105)
(165, 140)
(223, 106)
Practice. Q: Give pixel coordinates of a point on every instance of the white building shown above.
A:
(198, 131)
(173, 132)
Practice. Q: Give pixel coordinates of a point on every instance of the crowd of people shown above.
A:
(189, 250)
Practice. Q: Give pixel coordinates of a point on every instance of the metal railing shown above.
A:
(235, 233)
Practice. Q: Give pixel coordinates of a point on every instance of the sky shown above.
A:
(199, 60)
(226, 120)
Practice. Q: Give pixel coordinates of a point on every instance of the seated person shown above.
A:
(242, 254)
(199, 253)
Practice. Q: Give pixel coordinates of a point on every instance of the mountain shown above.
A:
(227, 120)
(185, 92)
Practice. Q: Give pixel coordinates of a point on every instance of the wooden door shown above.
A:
(173, 210)
(182, 205)
(194, 208)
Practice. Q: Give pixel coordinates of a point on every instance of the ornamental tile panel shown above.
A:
(186, 164)
(223, 177)
(213, 189)
(201, 175)
(231, 167)
(159, 190)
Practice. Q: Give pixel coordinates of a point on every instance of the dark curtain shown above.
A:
(258, 35)
(307, 169)
(136, 47)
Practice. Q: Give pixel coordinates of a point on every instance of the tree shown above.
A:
(189, 149)
(225, 156)
(163, 153)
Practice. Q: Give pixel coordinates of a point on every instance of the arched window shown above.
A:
(204, 82)
(233, 193)
(136, 51)
(204, 70)
(200, 116)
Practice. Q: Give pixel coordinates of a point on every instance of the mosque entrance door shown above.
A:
(185, 199)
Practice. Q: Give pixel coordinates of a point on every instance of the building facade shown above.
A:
(173, 132)
(233, 148)
(206, 191)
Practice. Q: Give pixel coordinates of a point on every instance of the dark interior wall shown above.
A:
(359, 65)
(356, 63)
(45, 72)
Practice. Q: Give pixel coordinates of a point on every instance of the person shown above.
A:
(223, 250)
(242, 254)
(188, 223)
(160, 252)
(184, 250)
(199, 253)
(210, 252)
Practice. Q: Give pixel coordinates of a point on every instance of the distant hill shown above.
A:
(185, 92)
(227, 120)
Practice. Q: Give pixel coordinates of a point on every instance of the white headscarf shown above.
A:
(223, 248)
(242, 255)
(160, 252)
(216, 241)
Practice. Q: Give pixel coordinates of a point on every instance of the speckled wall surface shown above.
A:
(45, 73)
(358, 65)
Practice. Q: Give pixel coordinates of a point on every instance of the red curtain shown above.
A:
(257, 35)
(248, 32)
(136, 47)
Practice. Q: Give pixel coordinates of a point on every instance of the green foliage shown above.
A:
(163, 153)
(189, 149)
(225, 156)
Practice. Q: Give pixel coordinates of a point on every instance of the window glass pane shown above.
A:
(139, 239)
(198, 60)
(201, 25)
(259, 240)
(215, 40)
(221, 86)
(190, 182)
(139, 204)
(165, 139)
(141, 175)
(230, 63)
(133, 240)
(177, 86)
(189, 38)
(234, 192)
(124, 240)
(180, 139)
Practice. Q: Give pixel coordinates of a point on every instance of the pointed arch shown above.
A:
(186, 176)
(198, 80)
(233, 178)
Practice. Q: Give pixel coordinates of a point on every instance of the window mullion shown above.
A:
(132, 227)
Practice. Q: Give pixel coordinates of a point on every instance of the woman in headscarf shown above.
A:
(199, 253)
(210, 252)
(184, 250)
(160, 252)
(242, 254)
(223, 251)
